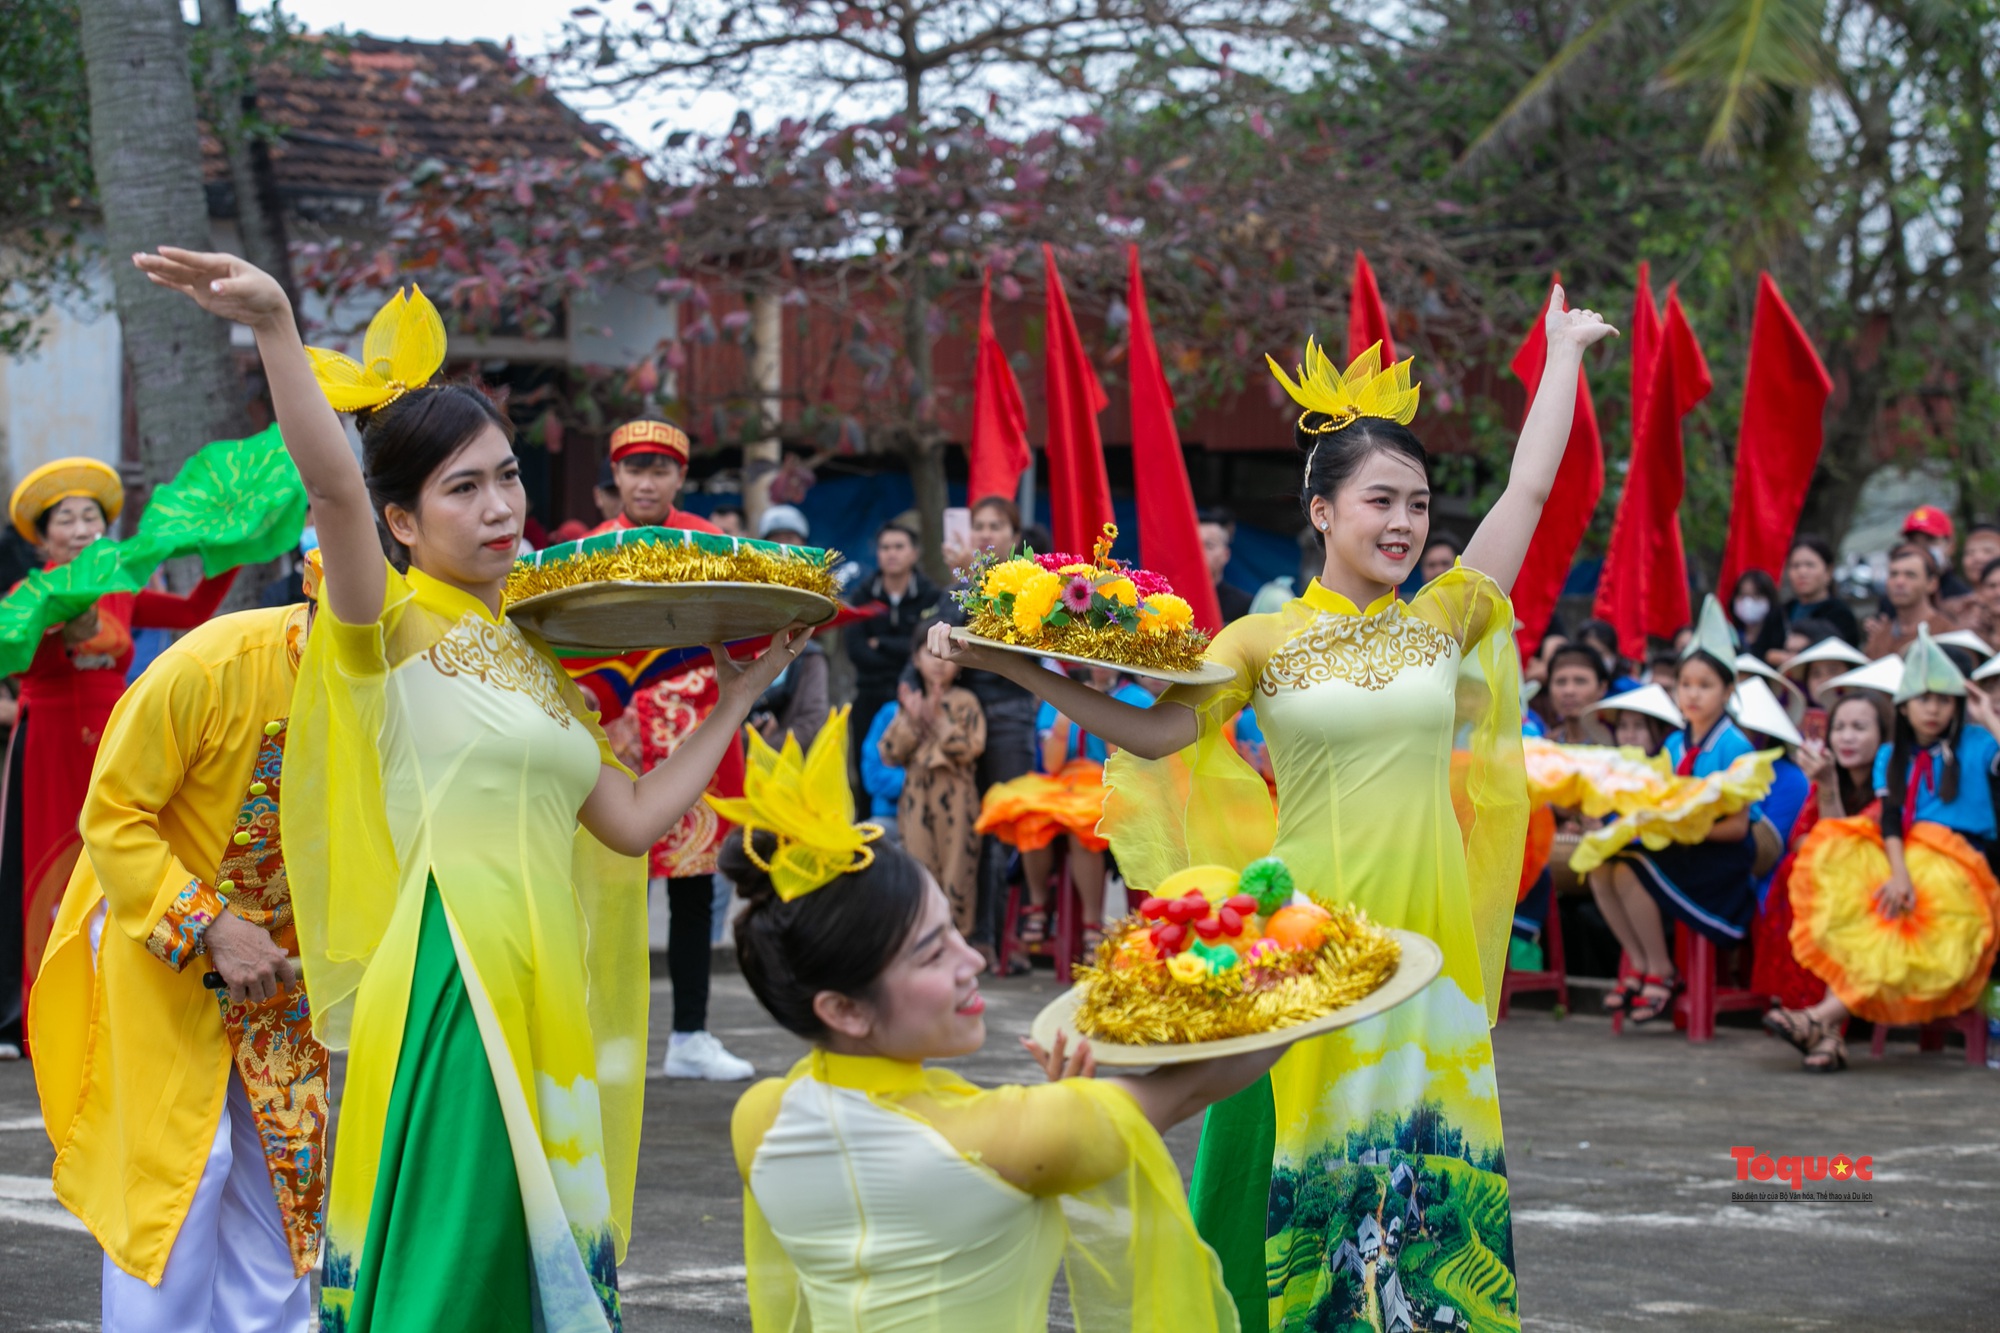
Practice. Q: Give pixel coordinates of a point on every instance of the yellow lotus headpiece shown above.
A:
(803, 798)
(403, 349)
(1364, 389)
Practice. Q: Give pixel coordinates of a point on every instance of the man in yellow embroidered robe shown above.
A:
(189, 1123)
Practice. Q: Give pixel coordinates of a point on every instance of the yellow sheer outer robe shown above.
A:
(444, 744)
(132, 1056)
(884, 1197)
(1362, 711)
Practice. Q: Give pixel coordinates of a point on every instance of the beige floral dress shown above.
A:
(940, 801)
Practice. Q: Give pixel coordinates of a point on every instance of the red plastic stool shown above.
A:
(1930, 1036)
(1552, 977)
(1698, 963)
(1063, 942)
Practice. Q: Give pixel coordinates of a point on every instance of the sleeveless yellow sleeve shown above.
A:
(339, 857)
(1133, 1259)
(611, 901)
(1205, 805)
(1489, 778)
(776, 1305)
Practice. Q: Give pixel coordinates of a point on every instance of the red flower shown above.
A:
(1147, 582)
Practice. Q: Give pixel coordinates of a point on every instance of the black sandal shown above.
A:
(1034, 927)
(1643, 1012)
(1620, 997)
(1829, 1052)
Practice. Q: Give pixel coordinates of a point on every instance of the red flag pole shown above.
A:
(1572, 500)
(999, 448)
(1079, 489)
(1778, 439)
(1367, 317)
(1169, 534)
(1620, 581)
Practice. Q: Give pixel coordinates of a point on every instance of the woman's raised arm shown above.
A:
(1501, 542)
(1150, 733)
(350, 550)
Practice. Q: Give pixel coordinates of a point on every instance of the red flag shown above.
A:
(1645, 572)
(1079, 491)
(1169, 535)
(999, 452)
(1645, 342)
(1777, 441)
(1367, 320)
(1572, 500)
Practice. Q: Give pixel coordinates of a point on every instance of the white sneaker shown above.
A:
(699, 1055)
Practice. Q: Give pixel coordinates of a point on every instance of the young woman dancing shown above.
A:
(480, 957)
(1365, 1141)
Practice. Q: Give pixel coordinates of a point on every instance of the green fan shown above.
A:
(237, 502)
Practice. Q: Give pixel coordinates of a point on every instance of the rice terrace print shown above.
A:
(1405, 1229)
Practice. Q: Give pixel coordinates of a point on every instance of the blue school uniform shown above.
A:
(1780, 809)
(1704, 885)
(1971, 811)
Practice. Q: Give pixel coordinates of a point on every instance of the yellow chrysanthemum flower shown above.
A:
(1078, 568)
(1119, 590)
(1164, 613)
(1008, 577)
(1034, 600)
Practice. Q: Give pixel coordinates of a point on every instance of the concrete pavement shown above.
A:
(1619, 1151)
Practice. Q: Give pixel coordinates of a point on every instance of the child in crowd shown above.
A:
(936, 738)
(881, 780)
(1706, 885)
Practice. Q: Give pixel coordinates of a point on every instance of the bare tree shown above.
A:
(926, 65)
(146, 152)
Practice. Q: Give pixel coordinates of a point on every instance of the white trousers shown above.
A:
(230, 1270)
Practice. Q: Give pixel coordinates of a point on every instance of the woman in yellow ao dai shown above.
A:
(463, 854)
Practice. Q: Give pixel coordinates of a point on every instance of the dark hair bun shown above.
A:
(838, 938)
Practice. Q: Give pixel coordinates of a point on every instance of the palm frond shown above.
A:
(1529, 103)
(1749, 52)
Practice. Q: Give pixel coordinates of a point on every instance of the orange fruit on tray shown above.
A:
(1300, 926)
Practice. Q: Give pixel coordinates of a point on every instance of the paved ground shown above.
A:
(1619, 1149)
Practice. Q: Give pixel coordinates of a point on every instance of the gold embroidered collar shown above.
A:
(1322, 598)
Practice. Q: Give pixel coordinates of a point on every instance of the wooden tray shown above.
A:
(1421, 961)
(608, 618)
(1208, 673)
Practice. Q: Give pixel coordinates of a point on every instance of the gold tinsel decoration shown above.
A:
(1143, 1006)
(665, 562)
(1179, 650)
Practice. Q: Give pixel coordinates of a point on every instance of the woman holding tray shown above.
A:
(1382, 1140)
(882, 1194)
(482, 958)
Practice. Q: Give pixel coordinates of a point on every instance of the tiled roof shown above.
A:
(374, 106)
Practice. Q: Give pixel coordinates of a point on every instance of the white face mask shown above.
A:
(1941, 553)
(1752, 610)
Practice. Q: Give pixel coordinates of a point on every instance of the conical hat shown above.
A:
(1652, 700)
(1966, 639)
(1787, 693)
(1713, 635)
(1756, 709)
(1883, 675)
(1828, 649)
(1928, 669)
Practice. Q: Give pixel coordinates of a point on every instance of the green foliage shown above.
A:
(45, 177)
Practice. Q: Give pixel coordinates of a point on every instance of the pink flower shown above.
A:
(1055, 560)
(1147, 582)
(1076, 595)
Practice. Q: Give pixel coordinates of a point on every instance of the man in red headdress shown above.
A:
(649, 466)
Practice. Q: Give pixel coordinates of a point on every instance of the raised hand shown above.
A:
(1979, 704)
(220, 284)
(740, 684)
(1058, 1064)
(1573, 329)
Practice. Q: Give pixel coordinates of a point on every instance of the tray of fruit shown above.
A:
(1217, 963)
